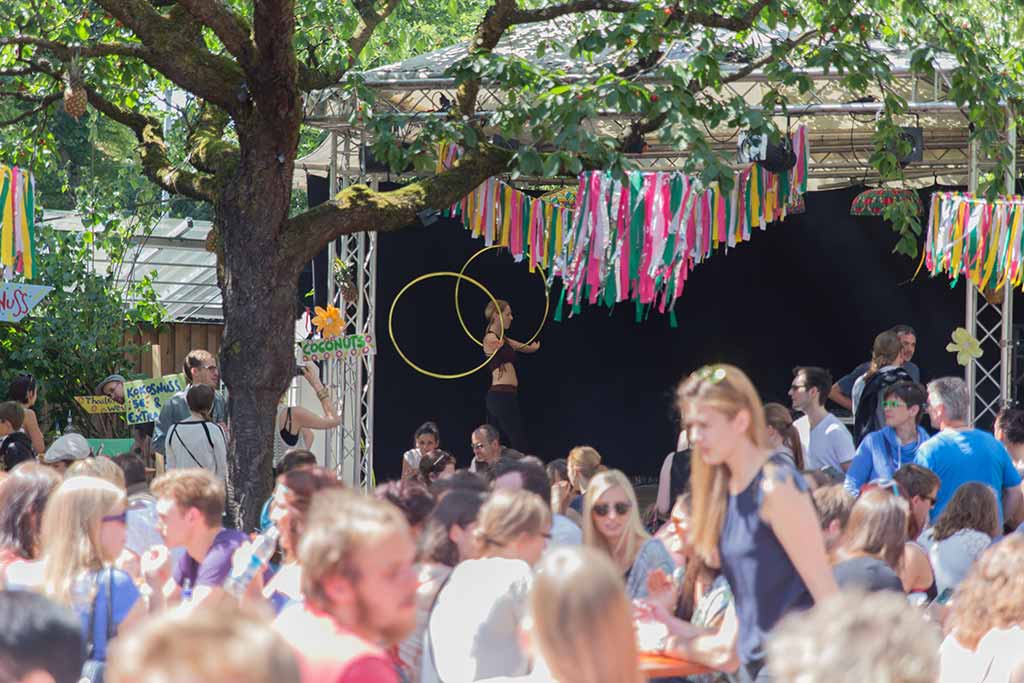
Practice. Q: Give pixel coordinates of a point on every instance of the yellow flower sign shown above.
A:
(964, 346)
(329, 322)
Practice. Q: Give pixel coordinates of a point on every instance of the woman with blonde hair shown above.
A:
(966, 527)
(582, 623)
(473, 629)
(611, 524)
(986, 636)
(99, 466)
(502, 398)
(752, 516)
(582, 465)
(83, 532)
(782, 435)
(870, 553)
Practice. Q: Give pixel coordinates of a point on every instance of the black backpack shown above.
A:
(867, 410)
(17, 447)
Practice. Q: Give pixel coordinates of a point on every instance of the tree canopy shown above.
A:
(239, 74)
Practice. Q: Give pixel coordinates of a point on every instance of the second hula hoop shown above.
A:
(458, 310)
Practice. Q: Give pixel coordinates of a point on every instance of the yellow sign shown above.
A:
(99, 405)
(145, 397)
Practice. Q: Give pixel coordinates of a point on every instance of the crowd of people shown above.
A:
(777, 549)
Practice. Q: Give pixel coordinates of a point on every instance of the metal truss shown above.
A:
(990, 319)
(350, 448)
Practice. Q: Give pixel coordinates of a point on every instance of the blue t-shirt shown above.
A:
(125, 596)
(958, 457)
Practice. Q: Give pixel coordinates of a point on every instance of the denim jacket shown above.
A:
(877, 457)
(653, 555)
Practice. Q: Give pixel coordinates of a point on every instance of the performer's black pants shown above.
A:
(503, 413)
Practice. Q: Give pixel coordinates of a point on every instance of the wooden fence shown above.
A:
(165, 349)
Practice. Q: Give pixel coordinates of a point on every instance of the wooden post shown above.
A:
(154, 351)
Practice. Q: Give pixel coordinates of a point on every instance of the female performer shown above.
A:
(502, 404)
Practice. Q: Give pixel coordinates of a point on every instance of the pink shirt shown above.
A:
(329, 653)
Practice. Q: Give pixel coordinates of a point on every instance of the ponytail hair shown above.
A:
(778, 417)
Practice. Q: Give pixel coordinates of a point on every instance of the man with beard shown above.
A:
(360, 590)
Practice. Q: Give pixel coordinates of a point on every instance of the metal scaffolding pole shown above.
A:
(1006, 341)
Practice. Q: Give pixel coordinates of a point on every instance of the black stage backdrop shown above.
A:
(813, 290)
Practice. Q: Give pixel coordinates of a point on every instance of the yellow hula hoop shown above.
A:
(428, 276)
(458, 311)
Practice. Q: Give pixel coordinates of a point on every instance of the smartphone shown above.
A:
(944, 597)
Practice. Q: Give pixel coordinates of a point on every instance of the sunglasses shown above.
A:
(122, 518)
(602, 509)
(931, 501)
(893, 404)
(797, 387)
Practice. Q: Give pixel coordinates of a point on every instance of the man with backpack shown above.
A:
(884, 372)
(16, 446)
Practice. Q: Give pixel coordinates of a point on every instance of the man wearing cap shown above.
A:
(112, 387)
(200, 367)
(66, 450)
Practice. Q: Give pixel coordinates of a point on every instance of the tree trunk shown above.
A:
(260, 288)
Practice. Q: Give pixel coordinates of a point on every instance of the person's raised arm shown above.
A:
(303, 418)
(532, 347)
(791, 515)
(664, 502)
(837, 396)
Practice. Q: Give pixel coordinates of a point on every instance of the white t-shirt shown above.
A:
(473, 632)
(953, 557)
(197, 443)
(564, 532)
(803, 428)
(1000, 652)
(830, 443)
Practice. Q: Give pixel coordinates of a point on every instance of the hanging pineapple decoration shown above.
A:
(75, 97)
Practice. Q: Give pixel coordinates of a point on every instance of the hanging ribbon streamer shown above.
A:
(975, 238)
(635, 240)
(17, 221)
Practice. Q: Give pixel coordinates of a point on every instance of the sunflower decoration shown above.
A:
(328, 322)
(965, 346)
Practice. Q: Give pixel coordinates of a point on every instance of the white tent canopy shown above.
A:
(840, 123)
(186, 274)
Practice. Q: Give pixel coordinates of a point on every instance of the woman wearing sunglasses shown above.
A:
(752, 516)
(611, 523)
(884, 451)
(83, 532)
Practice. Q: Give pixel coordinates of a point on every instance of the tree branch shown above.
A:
(66, 52)
(358, 208)
(312, 78)
(740, 22)
(231, 29)
(209, 151)
(488, 33)
(155, 162)
(43, 104)
(169, 47)
(638, 129)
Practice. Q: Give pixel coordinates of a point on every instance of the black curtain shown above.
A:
(813, 290)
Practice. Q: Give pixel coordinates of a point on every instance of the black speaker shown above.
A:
(914, 136)
(779, 157)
